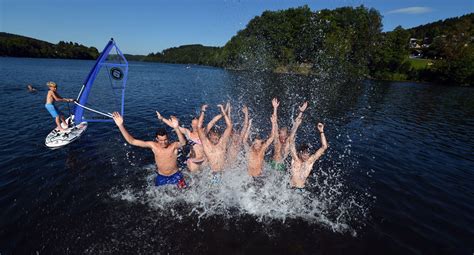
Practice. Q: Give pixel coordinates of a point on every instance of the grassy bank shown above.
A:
(420, 63)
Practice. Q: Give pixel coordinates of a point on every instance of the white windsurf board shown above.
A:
(56, 139)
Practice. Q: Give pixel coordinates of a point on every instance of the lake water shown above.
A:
(398, 177)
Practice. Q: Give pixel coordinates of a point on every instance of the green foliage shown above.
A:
(456, 68)
(391, 50)
(344, 43)
(334, 42)
(452, 26)
(131, 57)
(187, 54)
(447, 45)
(19, 46)
(271, 40)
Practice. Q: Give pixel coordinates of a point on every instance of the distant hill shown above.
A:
(463, 25)
(186, 54)
(449, 44)
(12, 45)
(131, 57)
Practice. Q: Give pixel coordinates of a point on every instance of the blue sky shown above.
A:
(141, 27)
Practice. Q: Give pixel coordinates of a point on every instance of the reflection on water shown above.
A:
(397, 176)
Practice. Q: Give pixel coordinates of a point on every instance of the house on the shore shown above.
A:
(413, 44)
(415, 48)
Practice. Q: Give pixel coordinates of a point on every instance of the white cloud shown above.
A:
(411, 10)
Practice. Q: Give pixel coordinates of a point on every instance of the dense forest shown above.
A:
(345, 43)
(326, 43)
(20, 46)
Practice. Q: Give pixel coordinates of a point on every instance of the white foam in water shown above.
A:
(267, 199)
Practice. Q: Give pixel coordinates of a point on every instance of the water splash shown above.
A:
(329, 200)
(267, 198)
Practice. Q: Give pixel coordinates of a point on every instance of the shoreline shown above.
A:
(282, 70)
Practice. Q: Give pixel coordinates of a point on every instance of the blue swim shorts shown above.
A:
(52, 110)
(176, 178)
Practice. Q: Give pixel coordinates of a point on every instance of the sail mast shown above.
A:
(83, 94)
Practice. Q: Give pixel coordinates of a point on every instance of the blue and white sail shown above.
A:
(103, 91)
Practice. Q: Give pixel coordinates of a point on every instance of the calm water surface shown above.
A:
(398, 177)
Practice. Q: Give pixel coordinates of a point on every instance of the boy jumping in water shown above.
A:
(237, 137)
(256, 152)
(302, 162)
(52, 97)
(281, 142)
(213, 143)
(166, 153)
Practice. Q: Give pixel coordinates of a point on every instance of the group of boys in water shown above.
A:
(219, 151)
(211, 149)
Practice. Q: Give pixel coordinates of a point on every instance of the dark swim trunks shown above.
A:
(176, 178)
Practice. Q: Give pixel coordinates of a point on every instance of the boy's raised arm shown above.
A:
(275, 104)
(201, 132)
(228, 122)
(272, 134)
(245, 110)
(292, 137)
(298, 120)
(324, 143)
(213, 121)
(245, 137)
(169, 122)
(175, 125)
(118, 119)
(273, 119)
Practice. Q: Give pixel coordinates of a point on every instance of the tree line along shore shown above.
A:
(345, 44)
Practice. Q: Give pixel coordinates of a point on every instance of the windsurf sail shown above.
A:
(103, 91)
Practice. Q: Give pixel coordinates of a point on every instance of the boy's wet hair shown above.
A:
(51, 84)
(215, 130)
(161, 132)
(304, 148)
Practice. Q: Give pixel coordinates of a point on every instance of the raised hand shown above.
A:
(320, 127)
(222, 109)
(275, 102)
(298, 120)
(228, 108)
(245, 110)
(303, 106)
(204, 108)
(174, 122)
(118, 119)
(159, 115)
